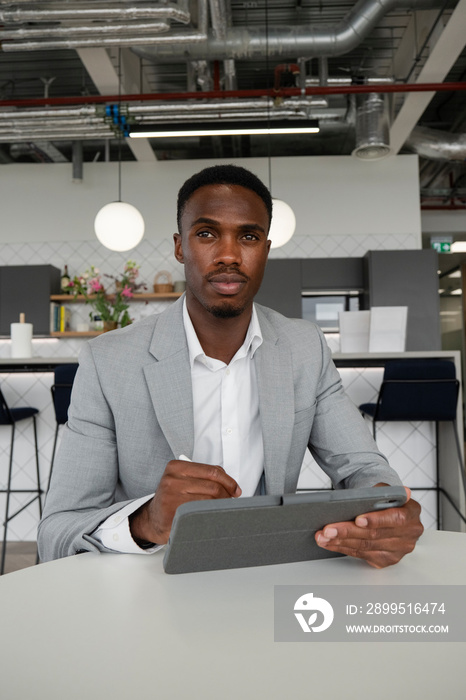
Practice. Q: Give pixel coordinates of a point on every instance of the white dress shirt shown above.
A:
(227, 426)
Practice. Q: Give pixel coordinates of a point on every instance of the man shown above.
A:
(238, 389)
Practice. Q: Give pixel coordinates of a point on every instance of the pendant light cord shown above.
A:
(119, 126)
(269, 157)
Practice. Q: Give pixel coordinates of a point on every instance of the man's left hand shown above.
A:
(381, 538)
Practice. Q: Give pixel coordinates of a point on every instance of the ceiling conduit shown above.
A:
(437, 145)
(221, 43)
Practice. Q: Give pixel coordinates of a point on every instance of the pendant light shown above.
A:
(119, 226)
(283, 224)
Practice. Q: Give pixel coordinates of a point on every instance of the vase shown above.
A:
(110, 326)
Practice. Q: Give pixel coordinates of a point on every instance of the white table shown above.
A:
(116, 627)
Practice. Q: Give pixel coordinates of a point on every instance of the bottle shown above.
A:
(65, 281)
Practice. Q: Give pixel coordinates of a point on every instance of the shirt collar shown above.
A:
(252, 340)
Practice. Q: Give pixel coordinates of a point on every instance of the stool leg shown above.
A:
(39, 490)
(53, 456)
(460, 458)
(7, 506)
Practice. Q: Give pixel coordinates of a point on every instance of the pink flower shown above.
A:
(95, 285)
(126, 292)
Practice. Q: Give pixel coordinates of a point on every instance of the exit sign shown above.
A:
(441, 245)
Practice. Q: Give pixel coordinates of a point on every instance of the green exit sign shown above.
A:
(441, 246)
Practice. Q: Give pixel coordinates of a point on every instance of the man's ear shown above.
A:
(178, 247)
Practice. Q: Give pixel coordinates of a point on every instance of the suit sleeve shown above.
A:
(85, 476)
(340, 441)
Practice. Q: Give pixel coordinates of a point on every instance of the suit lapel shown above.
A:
(169, 381)
(276, 401)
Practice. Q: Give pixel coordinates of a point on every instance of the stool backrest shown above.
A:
(61, 390)
(418, 390)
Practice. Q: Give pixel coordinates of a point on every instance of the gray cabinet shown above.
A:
(27, 289)
(407, 278)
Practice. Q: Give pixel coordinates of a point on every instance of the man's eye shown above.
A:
(204, 234)
(251, 236)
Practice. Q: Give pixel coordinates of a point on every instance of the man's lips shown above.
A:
(228, 284)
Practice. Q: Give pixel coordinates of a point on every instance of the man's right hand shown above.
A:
(181, 482)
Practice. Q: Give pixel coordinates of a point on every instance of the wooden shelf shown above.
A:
(136, 297)
(75, 334)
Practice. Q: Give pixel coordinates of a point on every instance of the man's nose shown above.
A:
(228, 251)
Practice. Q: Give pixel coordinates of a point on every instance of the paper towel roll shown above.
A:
(21, 339)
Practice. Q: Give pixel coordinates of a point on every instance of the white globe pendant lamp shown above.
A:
(119, 226)
(283, 223)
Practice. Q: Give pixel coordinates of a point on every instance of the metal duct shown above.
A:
(437, 145)
(372, 131)
(58, 12)
(100, 29)
(238, 42)
(132, 37)
(254, 43)
(185, 39)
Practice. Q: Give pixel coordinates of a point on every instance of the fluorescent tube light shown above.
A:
(226, 129)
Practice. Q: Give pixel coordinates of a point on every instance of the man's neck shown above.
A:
(220, 338)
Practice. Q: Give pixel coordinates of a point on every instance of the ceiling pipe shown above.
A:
(227, 94)
(234, 42)
(69, 30)
(58, 12)
(437, 145)
(132, 38)
(253, 43)
(184, 39)
(94, 115)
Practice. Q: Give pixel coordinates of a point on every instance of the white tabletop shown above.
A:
(116, 627)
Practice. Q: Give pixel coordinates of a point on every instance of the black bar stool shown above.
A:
(11, 416)
(61, 395)
(420, 390)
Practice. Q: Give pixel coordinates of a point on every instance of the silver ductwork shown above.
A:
(60, 11)
(253, 43)
(437, 145)
(372, 128)
(222, 43)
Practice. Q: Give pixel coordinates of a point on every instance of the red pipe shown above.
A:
(448, 207)
(226, 94)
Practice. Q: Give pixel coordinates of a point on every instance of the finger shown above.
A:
(391, 517)
(376, 558)
(356, 544)
(209, 472)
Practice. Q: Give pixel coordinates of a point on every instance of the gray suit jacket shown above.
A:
(131, 413)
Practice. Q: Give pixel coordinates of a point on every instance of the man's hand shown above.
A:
(381, 538)
(181, 482)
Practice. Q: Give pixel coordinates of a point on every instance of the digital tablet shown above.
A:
(236, 532)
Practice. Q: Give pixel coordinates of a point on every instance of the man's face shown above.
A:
(224, 247)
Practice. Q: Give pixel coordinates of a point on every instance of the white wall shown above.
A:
(331, 196)
(446, 222)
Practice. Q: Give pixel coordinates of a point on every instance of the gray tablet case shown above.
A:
(231, 533)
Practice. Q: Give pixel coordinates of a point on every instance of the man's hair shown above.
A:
(223, 175)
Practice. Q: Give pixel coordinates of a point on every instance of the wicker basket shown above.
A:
(163, 287)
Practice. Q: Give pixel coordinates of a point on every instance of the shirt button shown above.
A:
(228, 371)
(229, 431)
(115, 537)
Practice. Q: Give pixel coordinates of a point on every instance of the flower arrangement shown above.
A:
(111, 307)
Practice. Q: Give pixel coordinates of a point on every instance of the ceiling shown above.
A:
(244, 60)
